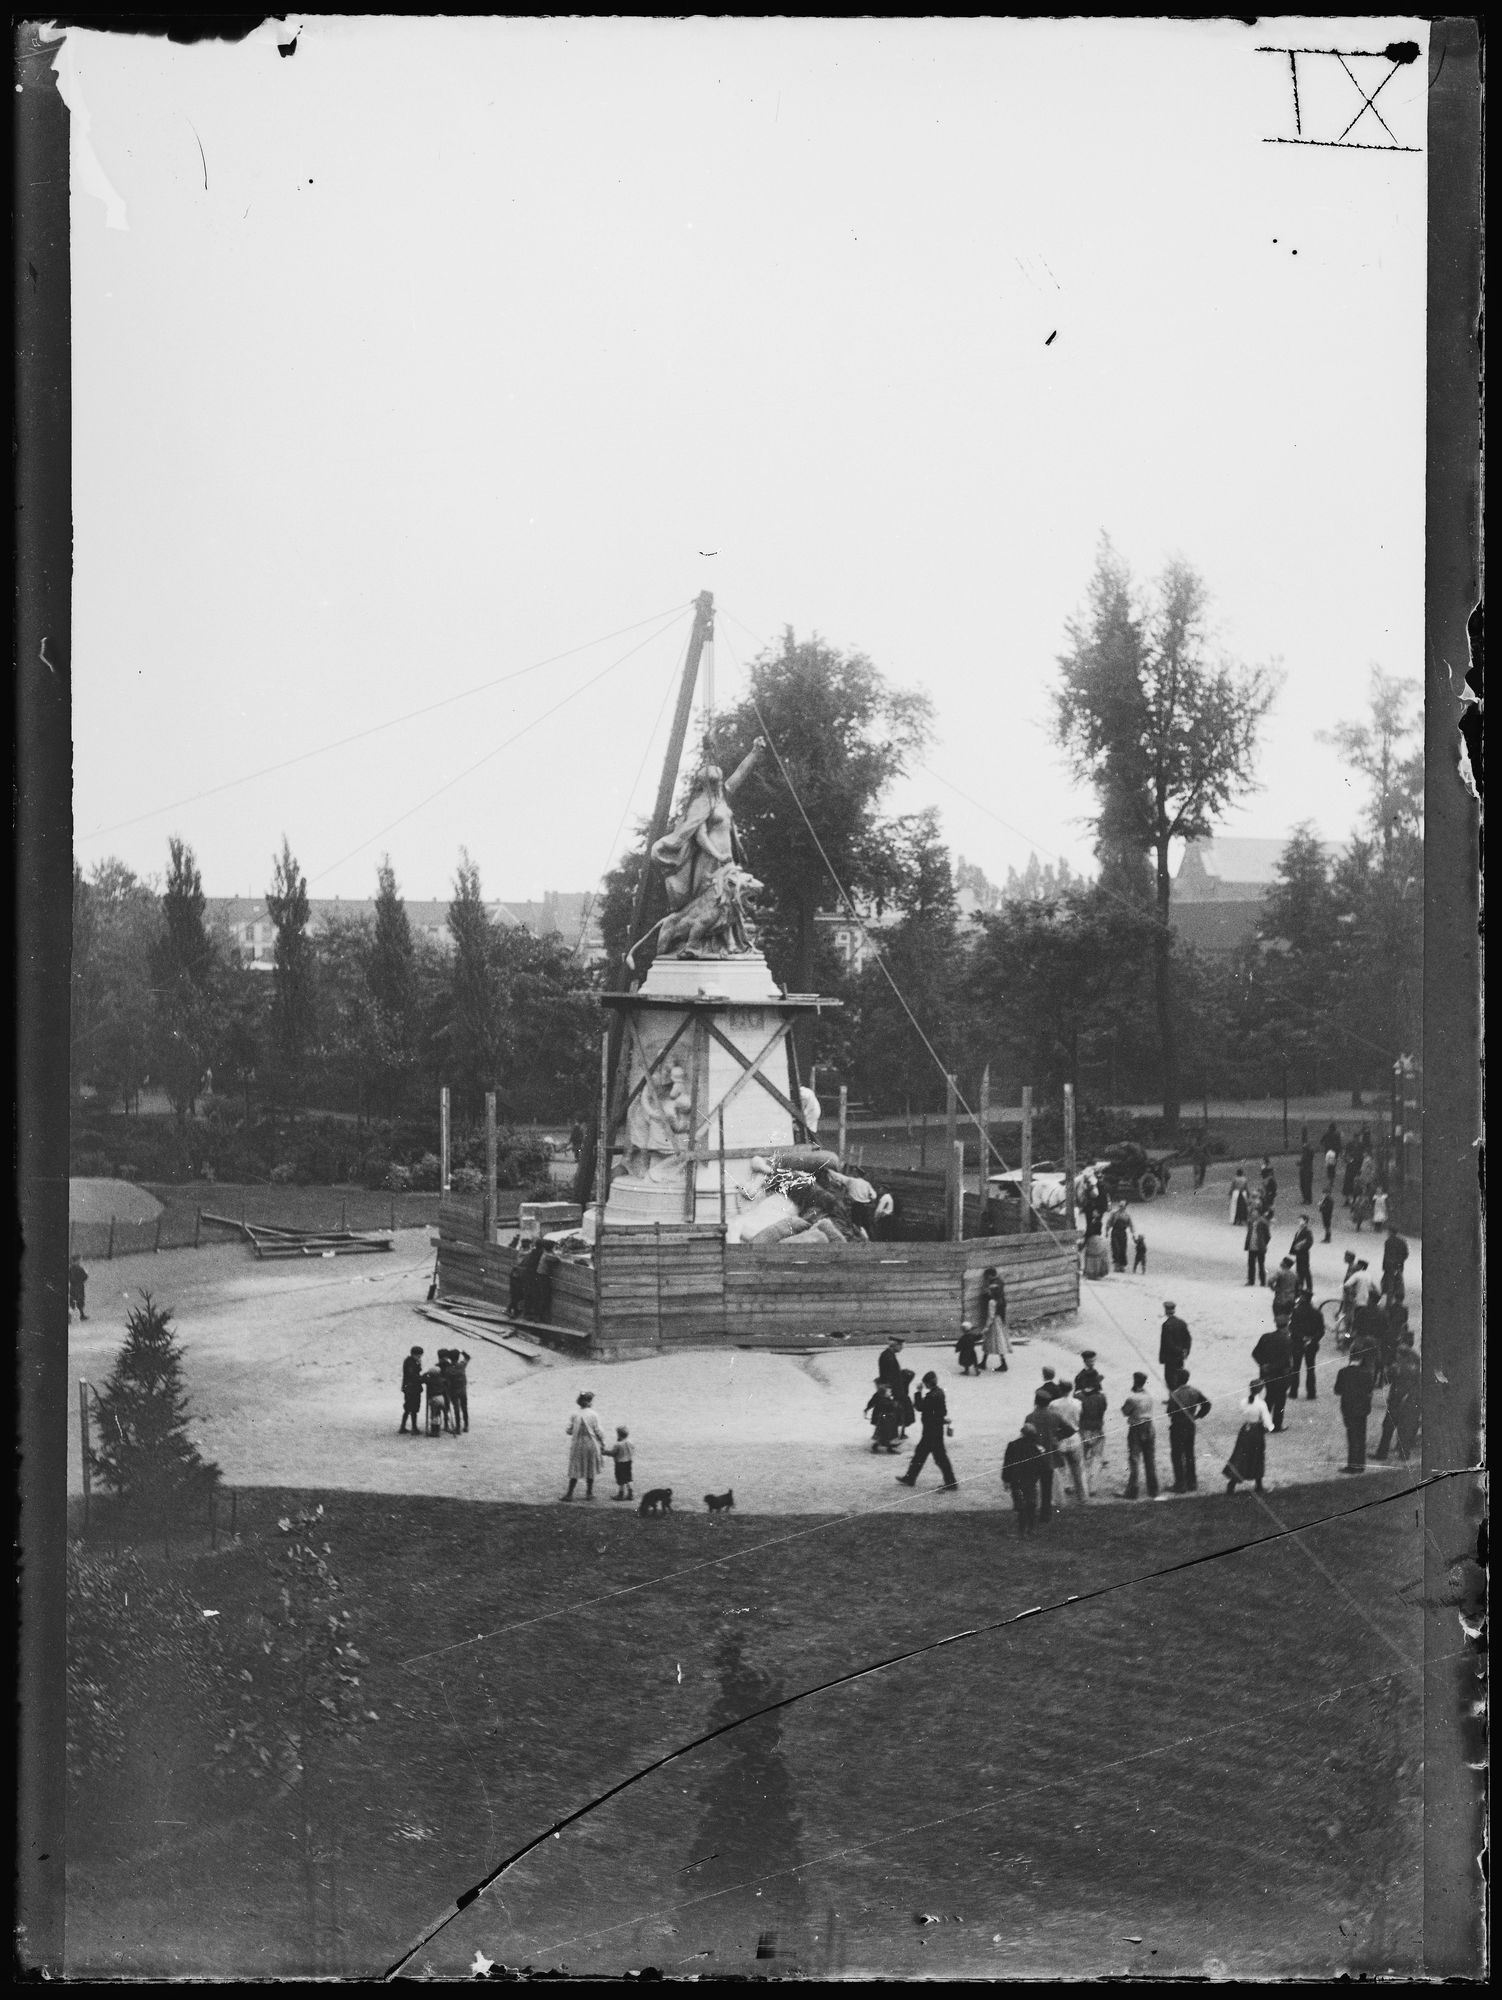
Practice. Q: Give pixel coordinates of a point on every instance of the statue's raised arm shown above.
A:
(747, 764)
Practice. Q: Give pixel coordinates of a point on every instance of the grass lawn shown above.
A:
(312, 1208)
(1219, 1766)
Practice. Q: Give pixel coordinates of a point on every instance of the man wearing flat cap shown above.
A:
(1174, 1343)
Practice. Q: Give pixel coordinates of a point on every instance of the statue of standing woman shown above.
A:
(704, 871)
(704, 840)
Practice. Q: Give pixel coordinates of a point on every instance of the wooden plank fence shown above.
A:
(681, 1284)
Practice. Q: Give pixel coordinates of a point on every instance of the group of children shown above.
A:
(443, 1388)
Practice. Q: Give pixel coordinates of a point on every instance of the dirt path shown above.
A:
(293, 1373)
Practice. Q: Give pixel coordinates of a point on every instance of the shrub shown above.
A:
(284, 1174)
(91, 1166)
(373, 1169)
(398, 1179)
(467, 1180)
(134, 1641)
(427, 1175)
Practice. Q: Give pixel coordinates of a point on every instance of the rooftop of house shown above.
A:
(1232, 866)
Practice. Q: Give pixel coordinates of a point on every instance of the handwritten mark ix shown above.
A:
(1397, 55)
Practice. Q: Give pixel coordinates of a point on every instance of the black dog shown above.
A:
(658, 1501)
(719, 1503)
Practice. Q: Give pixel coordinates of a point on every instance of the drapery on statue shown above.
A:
(704, 871)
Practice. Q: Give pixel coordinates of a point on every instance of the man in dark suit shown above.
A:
(1274, 1356)
(1306, 1329)
(1353, 1385)
(1023, 1465)
(1299, 1249)
(933, 1414)
(1258, 1236)
(889, 1365)
(1174, 1343)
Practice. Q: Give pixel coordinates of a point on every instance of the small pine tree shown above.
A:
(144, 1453)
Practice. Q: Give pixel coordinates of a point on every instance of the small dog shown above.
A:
(658, 1501)
(719, 1503)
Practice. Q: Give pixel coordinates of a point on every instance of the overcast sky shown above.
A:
(437, 349)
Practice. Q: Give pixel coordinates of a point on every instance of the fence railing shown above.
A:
(188, 1228)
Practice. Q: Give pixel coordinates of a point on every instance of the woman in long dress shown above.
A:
(586, 1452)
(1248, 1458)
(1239, 1198)
(993, 1304)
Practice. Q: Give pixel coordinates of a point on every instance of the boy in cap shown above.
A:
(411, 1390)
(1089, 1377)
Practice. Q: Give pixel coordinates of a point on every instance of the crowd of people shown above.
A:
(437, 1394)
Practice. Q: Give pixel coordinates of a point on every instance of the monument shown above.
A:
(708, 1078)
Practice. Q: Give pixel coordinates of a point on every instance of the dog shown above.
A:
(658, 1501)
(719, 1503)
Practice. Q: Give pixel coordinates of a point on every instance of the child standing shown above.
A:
(620, 1451)
(966, 1348)
(1139, 1255)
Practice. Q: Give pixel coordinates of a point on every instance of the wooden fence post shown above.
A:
(158, 1243)
(959, 1191)
(1027, 1158)
(343, 1212)
(487, 1218)
(1069, 1156)
(443, 1140)
(603, 1136)
(111, 1250)
(985, 1128)
(197, 1227)
(951, 1135)
(844, 1119)
(234, 1510)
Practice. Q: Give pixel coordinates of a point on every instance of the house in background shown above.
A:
(1216, 899)
(569, 915)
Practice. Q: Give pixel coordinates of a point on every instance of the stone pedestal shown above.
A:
(708, 1019)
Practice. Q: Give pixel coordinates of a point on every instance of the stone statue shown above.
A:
(704, 870)
(657, 1129)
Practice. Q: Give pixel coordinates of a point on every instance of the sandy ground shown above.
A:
(99, 1200)
(293, 1372)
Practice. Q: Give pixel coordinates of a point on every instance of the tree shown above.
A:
(971, 879)
(292, 991)
(919, 955)
(300, 1694)
(1039, 883)
(1167, 736)
(242, 1046)
(117, 924)
(476, 1027)
(391, 980)
(185, 967)
(844, 736)
(550, 1023)
(1055, 982)
(144, 1452)
(1383, 750)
